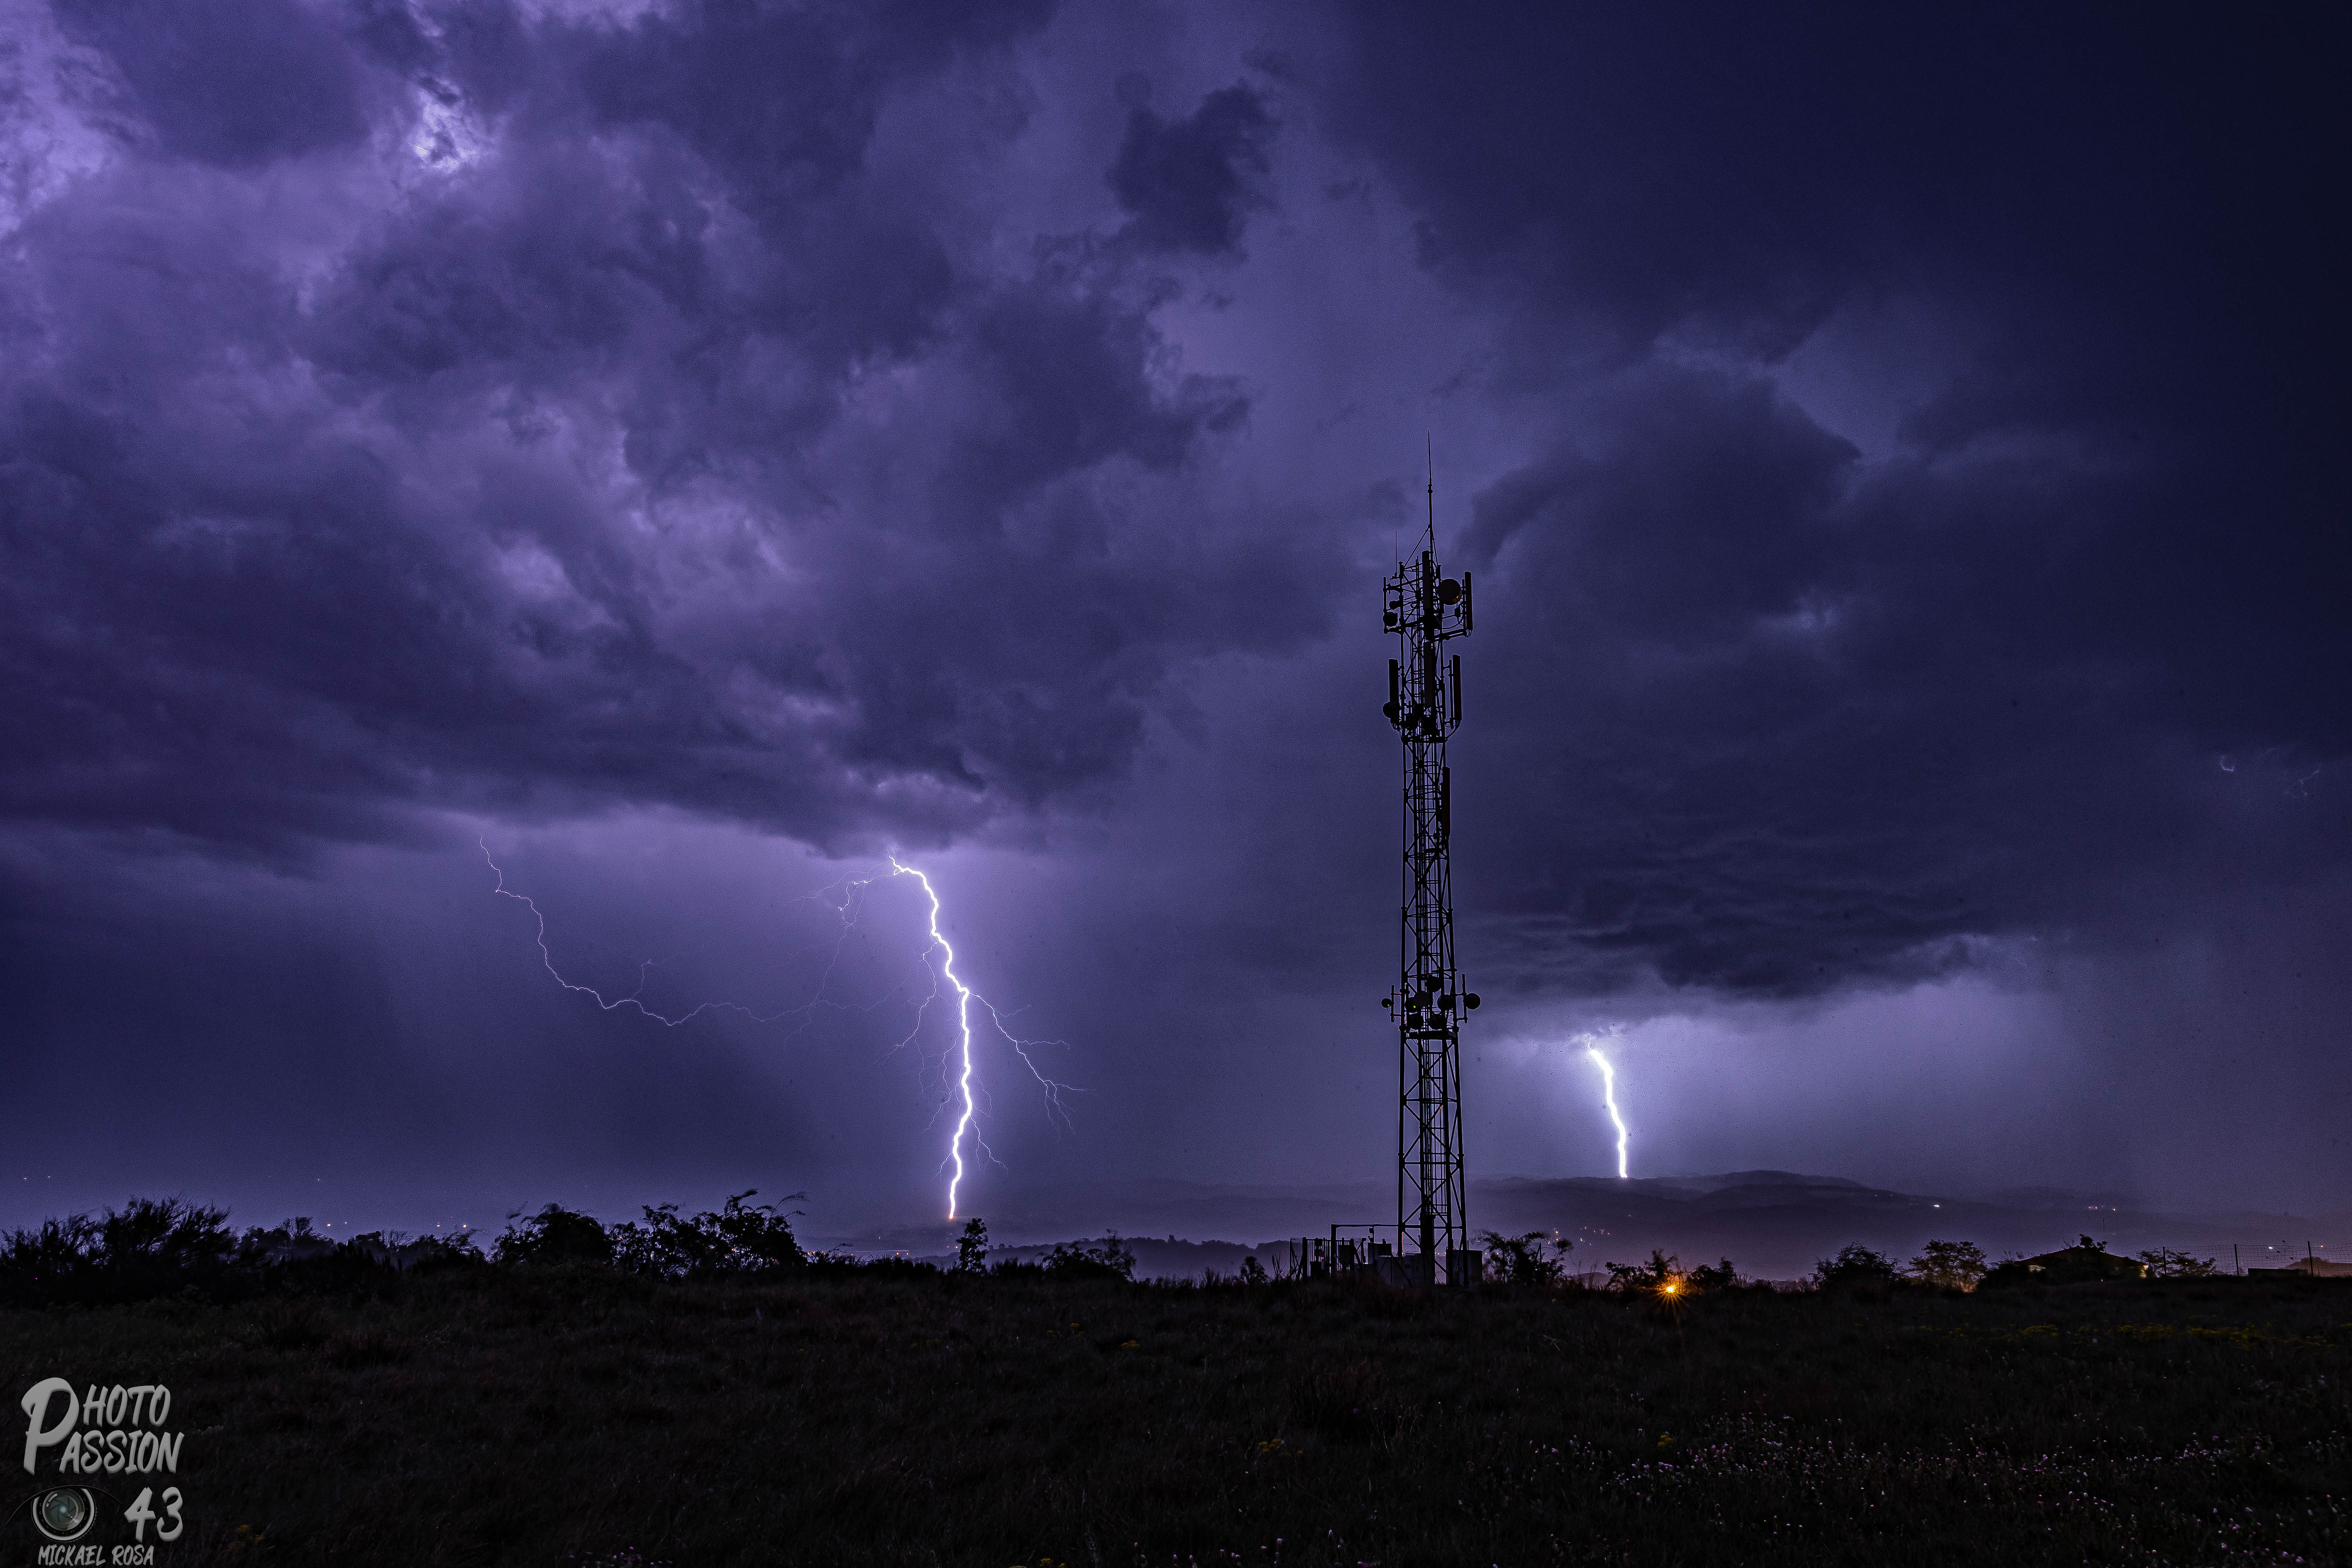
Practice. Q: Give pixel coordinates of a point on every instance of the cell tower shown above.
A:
(1426, 610)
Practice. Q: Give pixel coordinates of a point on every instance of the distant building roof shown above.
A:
(2081, 1263)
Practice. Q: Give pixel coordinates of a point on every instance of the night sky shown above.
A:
(690, 453)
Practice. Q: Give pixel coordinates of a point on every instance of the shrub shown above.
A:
(2165, 1264)
(293, 1259)
(1949, 1265)
(1854, 1265)
(1664, 1275)
(1662, 1271)
(290, 1241)
(49, 1264)
(1528, 1259)
(397, 1250)
(554, 1235)
(1109, 1258)
(738, 1239)
(834, 1260)
(147, 1248)
(1713, 1276)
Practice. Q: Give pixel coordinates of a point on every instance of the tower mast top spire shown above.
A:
(1429, 532)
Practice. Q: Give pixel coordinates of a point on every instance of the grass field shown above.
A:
(866, 1416)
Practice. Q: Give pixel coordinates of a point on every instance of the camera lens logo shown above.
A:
(64, 1513)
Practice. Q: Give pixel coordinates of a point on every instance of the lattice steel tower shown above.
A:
(1426, 610)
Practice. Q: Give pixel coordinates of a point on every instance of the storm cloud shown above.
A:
(695, 448)
(1944, 486)
(1189, 182)
(609, 419)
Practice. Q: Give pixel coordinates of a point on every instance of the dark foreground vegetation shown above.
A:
(719, 1397)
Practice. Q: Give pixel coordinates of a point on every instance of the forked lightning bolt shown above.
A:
(615, 1003)
(1609, 1098)
(961, 1066)
(964, 1028)
(965, 997)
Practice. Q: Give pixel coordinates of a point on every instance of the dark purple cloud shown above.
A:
(655, 450)
(241, 87)
(1191, 184)
(1809, 713)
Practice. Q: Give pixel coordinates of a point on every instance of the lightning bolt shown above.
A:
(962, 1067)
(965, 997)
(1609, 1098)
(940, 945)
(849, 887)
(607, 1005)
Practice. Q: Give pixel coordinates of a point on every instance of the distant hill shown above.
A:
(1733, 1179)
(1771, 1224)
(1776, 1224)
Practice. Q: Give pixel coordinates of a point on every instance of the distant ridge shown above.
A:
(1758, 1179)
(1773, 1223)
(1682, 1184)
